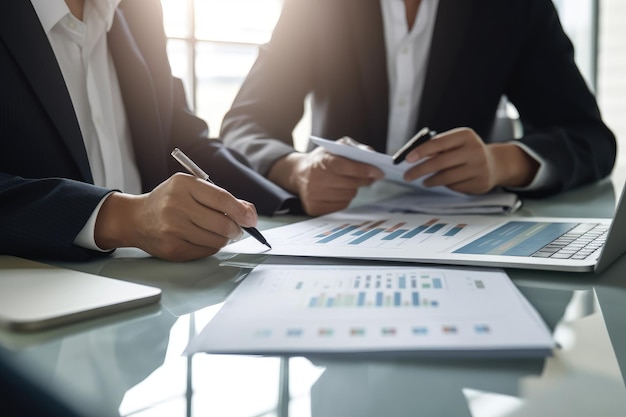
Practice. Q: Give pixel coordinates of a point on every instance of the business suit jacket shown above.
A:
(46, 186)
(480, 51)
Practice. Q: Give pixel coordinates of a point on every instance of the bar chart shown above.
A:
(377, 231)
(353, 308)
(402, 290)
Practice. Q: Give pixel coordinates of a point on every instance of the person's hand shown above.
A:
(323, 181)
(184, 218)
(460, 160)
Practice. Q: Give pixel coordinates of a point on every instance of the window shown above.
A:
(580, 20)
(611, 80)
(212, 44)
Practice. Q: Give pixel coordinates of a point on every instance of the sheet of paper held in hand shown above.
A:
(309, 309)
(439, 200)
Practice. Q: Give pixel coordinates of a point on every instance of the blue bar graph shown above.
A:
(366, 236)
(333, 230)
(402, 282)
(397, 233)
(361, 300)
(337, 234)
(456, 229)
(371, 299)
(380, 231)
(385, 291)
(415, 298)
(435, 228)
(414, 232)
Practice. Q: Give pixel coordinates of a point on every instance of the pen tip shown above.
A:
(268, 245)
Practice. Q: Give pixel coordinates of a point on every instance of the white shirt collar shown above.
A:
(50, 12)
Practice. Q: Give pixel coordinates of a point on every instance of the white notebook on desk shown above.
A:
(36, 296)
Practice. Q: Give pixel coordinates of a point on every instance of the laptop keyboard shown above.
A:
(580, 242)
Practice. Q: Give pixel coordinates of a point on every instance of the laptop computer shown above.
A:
(377, 233)
(36, 296)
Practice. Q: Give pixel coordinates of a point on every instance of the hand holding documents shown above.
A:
(383, 161)
(431, 200)
(309, 309)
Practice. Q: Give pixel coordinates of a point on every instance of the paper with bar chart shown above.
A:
(372, 233)
(280, 309)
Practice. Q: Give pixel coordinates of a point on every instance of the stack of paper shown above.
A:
(497, 202)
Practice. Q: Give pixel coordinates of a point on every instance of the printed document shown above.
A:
(376, 232)
(300, 309)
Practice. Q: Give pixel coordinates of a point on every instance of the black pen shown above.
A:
(423, 136)
(198, 172)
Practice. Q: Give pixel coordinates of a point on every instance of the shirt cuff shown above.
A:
(544, 174)
(86, 237)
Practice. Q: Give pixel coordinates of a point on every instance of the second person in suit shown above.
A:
(380, 70)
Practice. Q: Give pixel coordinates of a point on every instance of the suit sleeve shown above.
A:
(226, 167)
(271, 99)
(560, 116)
(40, 218)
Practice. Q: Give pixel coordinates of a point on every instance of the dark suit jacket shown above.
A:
(46, 191)
(481, 50)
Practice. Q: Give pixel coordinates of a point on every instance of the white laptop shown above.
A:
(35, 296)
(376, 233)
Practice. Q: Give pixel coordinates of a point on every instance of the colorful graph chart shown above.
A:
(375, 291)
(383, 230)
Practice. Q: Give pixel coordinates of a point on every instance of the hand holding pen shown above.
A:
(194, 169)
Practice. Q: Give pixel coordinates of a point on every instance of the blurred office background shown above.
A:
(213, 43)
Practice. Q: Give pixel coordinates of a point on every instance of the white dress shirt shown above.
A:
(89, 73)
(407, 62)
(407, 59)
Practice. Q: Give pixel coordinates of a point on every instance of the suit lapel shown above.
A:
(369, 41)
(365, 20)
(141, 103)
(452, 20)
(22, 32)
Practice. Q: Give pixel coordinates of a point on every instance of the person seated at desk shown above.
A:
(380, 70)
(89, 113)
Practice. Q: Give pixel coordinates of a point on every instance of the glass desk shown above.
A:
(131, 363)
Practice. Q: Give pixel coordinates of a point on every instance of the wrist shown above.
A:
(514, 167)
(284, 171)
(114, 224)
